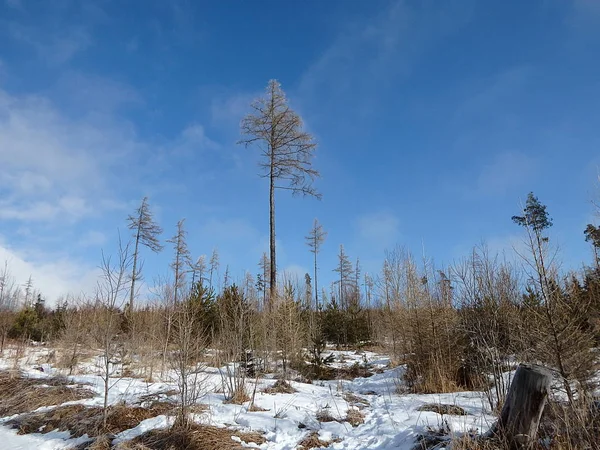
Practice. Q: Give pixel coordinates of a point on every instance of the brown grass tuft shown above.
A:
(80, 420)
(280, 387)
(198, 437)
(441, 408)
(355, 417)
(238, 398)
(313, 441)
(323, 415)
(254, 408)
(20, 395)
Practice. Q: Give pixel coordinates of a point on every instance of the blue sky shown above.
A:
(434, 120)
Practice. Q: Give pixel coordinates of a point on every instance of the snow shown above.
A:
(392, 420)
(49, 441)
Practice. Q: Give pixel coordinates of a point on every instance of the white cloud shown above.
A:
(195, 136)
(54, 167)
(65, 208)
(53, 277)
(228, 110)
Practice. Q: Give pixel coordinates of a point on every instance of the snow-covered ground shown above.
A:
(391, 420)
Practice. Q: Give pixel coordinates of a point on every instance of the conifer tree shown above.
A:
(592, 235)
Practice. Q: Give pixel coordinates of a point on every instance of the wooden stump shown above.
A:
(520, 418)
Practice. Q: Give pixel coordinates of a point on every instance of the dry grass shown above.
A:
(254, 408)
(323, 415)
(20, 395)
(355, 417)
(345, 373)
(80, 420)
(313, 441)
(280, 387)
(443, 409)
(355, 400)
(100, 443)
(198, 437)
(239, 397)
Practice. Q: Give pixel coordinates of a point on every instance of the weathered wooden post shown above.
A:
(520, 417)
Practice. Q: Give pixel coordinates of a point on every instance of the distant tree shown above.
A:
(145, 232)
(203, 304)
(286, 154)
(29, 292)
(198, 270)
(8, 293)
(314, 240)
(592, 235)
(214, 267)
(181, 261)
(534, 216)
(345, 277)
(265, 265)
(535, 220)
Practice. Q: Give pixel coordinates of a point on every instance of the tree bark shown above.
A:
(273, 280)
(316, 285)
(520, 417)
(133, 273)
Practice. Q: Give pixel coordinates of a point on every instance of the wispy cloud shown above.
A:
(505, 173)
(86, 93)
(368, 56)
(379, 230)
(53, 164)
(56, 47)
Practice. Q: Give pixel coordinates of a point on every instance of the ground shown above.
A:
(360, 413)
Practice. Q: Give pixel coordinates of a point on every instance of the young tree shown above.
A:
(110, 295)
(535, 220)
(214, 267)
(198, 270)
(181, 262)
(145, 232)
(345, 280)
(314, 240)
(8, 289)
(265, 266)
(190, 338)
(562, 339)
(286, 154)
(172, 294)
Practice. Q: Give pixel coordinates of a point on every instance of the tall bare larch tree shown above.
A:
(286, 154)
(146, 233)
